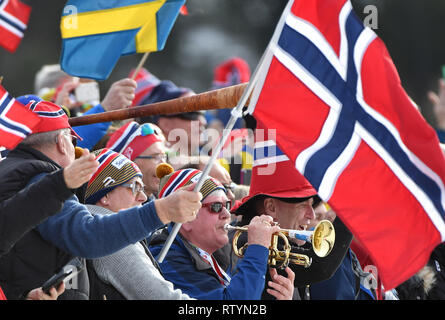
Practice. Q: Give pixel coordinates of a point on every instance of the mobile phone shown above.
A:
(68, 272)
(56, 280)
(87, 92)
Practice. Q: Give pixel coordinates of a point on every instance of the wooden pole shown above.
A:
(141, 63)
(225, 98)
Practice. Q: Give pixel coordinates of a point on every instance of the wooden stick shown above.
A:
(225, 98)
(141, 63)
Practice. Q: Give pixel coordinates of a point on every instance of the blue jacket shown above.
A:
(186, 270)
(75, 230)
(343, 285)
(92, 133)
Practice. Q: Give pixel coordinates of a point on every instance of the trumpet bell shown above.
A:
(323, 238)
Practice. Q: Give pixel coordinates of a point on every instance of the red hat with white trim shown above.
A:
(53, 117)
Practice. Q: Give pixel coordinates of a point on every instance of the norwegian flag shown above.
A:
(16, 121)
(330, 89)
(14, 16)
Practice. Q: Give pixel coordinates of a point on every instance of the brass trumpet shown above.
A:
(322, 239)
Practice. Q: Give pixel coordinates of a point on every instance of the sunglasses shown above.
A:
(136, 187)
(216, 207)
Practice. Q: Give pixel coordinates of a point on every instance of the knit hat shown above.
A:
(114, 170)
(172, 180)
(53, 116)
(231, 72)
(132, 139)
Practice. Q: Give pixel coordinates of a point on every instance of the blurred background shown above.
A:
(215, 30)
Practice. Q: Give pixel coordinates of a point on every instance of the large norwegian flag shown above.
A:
(14, 16)
(330, 89)
(16, 121)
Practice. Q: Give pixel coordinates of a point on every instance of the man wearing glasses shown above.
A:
(72, 231)
(193, 262)
(143, 145)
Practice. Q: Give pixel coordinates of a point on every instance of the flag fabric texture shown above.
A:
(146, 82)
(95, 34)
(14, 17)
(328, 86)
(16, 121)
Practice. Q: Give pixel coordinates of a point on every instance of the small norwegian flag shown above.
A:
(16, 121)
(14, 16)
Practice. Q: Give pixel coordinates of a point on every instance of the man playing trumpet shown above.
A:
(194, 262)
(288, 198)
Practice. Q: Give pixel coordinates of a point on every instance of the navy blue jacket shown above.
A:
(187, 271)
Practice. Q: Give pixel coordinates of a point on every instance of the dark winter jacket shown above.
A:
(16, 218)
(187, 271)
(70, 233)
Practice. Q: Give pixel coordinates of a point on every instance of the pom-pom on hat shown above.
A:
(172, 180)
(114, 169)
(53, 117)
(132, 139)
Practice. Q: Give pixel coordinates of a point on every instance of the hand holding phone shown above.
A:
(68, 272)
(56, 280)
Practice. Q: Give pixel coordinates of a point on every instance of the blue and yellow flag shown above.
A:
(96, 33)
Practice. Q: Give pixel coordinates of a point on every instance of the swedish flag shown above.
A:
(96, 33)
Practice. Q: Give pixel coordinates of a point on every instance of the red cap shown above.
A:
(53, 117)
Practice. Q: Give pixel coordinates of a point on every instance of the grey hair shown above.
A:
(41, 139)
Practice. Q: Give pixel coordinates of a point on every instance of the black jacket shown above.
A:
(15, 217)
(32, 260)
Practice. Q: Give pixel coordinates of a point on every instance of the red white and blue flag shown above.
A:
(16, 121)
(14, 16)
(330, 89)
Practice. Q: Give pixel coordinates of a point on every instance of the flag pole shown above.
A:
(235, 114)
(141, 63)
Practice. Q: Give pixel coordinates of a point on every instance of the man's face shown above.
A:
(65, 138)
(186, 133)
(148, 166)
(207, 230)
(294, 216)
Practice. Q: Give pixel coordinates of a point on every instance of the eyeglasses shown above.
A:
(216, 207)
(136, 187)
(73, 138)
(231, 186)
(160, 157)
